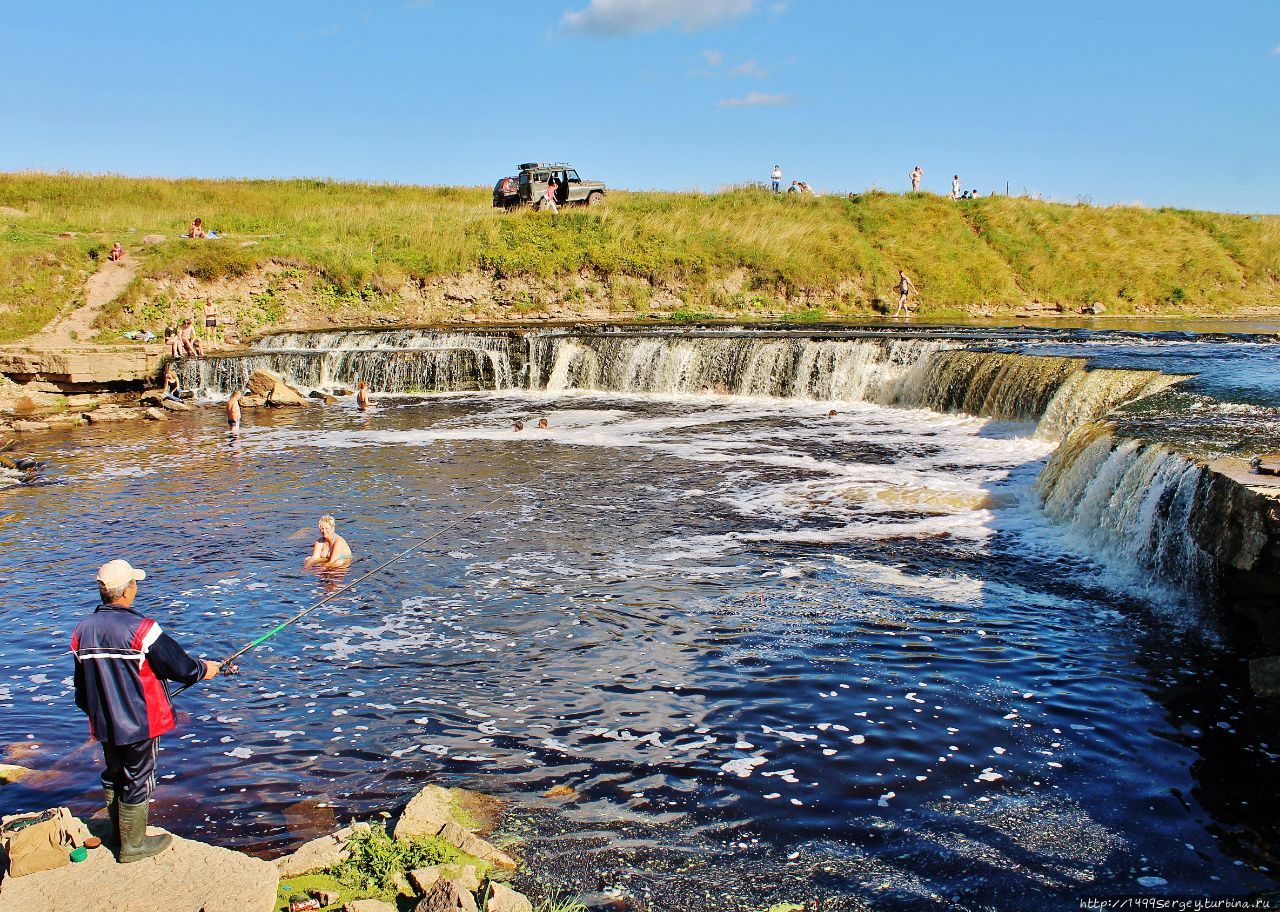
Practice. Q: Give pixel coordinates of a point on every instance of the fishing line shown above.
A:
(254, 644)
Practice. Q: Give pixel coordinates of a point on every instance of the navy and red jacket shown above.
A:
(122, 662)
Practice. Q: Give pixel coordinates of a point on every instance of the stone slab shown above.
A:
(188, 877)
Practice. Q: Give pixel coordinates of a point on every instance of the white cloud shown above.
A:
(632, 17)
(749, 68)
(715, 58)
(756, 100)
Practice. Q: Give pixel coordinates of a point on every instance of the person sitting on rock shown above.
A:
(197, 230)
(330, 549)
(172, 385)
(117, 253)
(188, 342)
(122, 660)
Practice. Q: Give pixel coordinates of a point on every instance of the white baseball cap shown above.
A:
(117, 574)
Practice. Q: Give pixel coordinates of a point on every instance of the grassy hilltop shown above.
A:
(295, 250)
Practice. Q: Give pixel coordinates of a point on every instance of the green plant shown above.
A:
(375, 860)
(811, 315)
(690, 316)
(556, 903)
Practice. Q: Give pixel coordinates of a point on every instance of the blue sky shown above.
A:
(1164, 102)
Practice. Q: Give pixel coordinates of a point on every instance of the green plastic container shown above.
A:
(79, 853)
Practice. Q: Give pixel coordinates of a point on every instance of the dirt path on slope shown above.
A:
(100, 289)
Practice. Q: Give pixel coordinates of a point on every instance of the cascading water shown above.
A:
(1129, 499)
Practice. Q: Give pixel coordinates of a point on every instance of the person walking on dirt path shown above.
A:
(904, 290)
(776, 177)
(330, 549)
(233, 412)
(122, 660)
(362, 396)
(210, 321)
(955, 187)
(917, 175)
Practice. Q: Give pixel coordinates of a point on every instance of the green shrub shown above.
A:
(374, 859)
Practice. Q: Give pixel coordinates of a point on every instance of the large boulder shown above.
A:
(318, 854)
(465, 876)
(1264, 676)
(446, 896)
(262, 382)
(476, 847)
(425, 814)
(504, 899)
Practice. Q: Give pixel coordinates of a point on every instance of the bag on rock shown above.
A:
(38, 842)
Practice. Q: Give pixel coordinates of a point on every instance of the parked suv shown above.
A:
(530, 184)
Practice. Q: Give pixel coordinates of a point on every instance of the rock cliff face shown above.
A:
(1236, 519)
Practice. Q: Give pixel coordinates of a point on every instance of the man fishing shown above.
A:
(122, 661)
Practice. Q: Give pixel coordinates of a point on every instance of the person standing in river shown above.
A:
(122, 660)
(362, 396)
(330, 549)
(904, 290)
(233, 412)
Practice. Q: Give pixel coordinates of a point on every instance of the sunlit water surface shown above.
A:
(801, 656)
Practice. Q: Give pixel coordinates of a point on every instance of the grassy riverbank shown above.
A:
(353, 251)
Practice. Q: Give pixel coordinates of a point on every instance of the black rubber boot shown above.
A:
(113, 814)
(135, 844)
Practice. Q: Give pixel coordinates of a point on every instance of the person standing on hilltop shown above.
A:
(917, 175)
(905, 287)
(955, 187)
(776, 177)
(122, 660)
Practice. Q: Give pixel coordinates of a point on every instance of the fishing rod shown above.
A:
(229, 661)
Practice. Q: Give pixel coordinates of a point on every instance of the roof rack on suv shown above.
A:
(530, 166)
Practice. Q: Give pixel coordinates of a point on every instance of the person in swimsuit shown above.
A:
(543, 424)
(117, 253)
(172, 386)
(362, 396)
(904, 289)
(233, 412)
(331, 549)
(917, 175)
(518, 426)
(196, 230)
(211, 322)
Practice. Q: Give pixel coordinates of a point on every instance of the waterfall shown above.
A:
(1060, 393)
(1132, 501)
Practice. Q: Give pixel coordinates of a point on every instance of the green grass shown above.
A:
(736, 253)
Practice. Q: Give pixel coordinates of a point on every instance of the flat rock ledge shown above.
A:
(189, 876)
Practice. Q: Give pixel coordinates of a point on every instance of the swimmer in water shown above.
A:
(233, 412)
(543, 424)
(519, 426)
(362, 396)
(832, 413)
(331, 549)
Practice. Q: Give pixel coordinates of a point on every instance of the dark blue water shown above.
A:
(837, 657)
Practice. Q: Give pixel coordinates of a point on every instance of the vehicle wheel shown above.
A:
(595, 199)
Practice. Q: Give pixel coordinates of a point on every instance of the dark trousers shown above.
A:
(131, 770)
